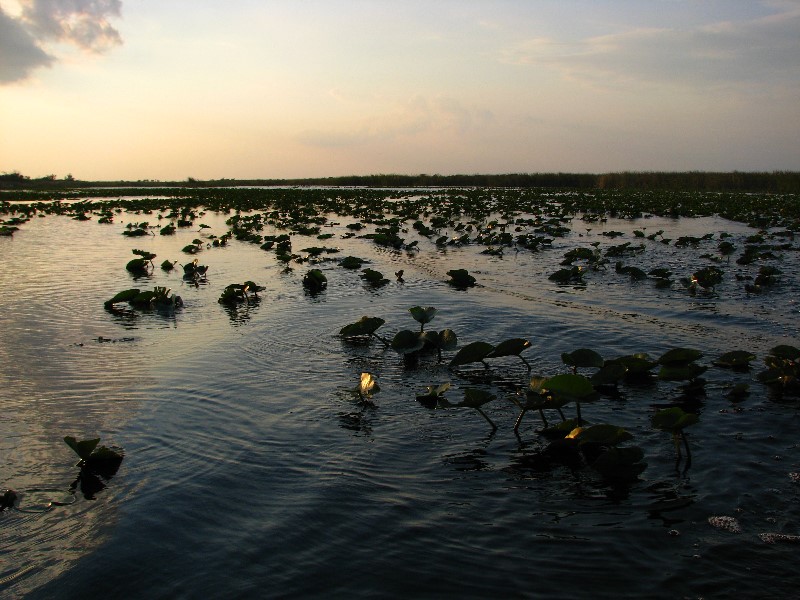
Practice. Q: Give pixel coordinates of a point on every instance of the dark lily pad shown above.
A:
(434, 392)
(679, 356)
(569, 386)
(315, 280)
(609, 375)
(461, 278)
(471, 353)
(583, 357)
(510, 347)
(673, 419)
(352, 262)
(422, 315)
(603, 434)
(681, 372)
(736, 359)
(408, 342)
(364, 326)
(373, 277)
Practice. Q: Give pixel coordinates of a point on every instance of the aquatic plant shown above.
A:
(422, 315)
(194, 270)
(599, 444)
(678, 365)
(707, 278)
(474, 398)
(367, 387)
(736, 359)
(582, 358)
(160, 298)
(674, 420)
(635, 273)
(783, 370)
(572, 275)
(236, 293)
(570, 387)
(446, 339)
(8, 499)
(373, 277)
(92, 456)
(433, 394)
(364, 327)
(315, 281)
(511, 347)
(537, 398)
(471, 353)
(141, 266)
(460, 278)
(352, 262)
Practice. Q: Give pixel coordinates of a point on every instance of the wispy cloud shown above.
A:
(416, 116)
(25, 39)
(756, 51)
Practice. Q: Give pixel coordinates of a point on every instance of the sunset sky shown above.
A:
(170, 89)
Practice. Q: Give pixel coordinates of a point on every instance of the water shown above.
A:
(251, 469)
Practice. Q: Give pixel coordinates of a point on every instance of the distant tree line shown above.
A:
(736, 181)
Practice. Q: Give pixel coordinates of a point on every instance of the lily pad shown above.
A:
(511, 347)
(461, 278)
(603, 434)
(315, 280)
(408, 342)
(422, 315)
(736, 359)
(569, 386)
(471, 353)
(583, 357)
(83, 448)
(679, 356)
(673, 419)
(679, 372)
(364, 326)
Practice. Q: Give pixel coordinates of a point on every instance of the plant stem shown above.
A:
(519, 420)
(384, 340)
(488, 420)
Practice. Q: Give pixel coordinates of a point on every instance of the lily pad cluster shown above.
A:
(238, 293)
(159, 298)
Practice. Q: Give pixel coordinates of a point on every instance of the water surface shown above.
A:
(252, 471)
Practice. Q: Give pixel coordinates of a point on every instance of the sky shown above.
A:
(171, 89)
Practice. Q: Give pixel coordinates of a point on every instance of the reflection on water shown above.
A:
(251, 472)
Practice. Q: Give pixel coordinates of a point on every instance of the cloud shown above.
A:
(756, 51)
(19, 52)
(24, 38)
(416, 116)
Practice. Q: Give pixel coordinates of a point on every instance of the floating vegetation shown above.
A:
(674, 420)
(160, 299)
(237, 293)
(352, 262)
(93, 456)
(315, 281)
(142, 265)
(373, 278)
(783, 370)
(433, 394)
(474, 398)
(194, 271)
(460, 278)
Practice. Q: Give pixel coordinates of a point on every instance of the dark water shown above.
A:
(252, 471)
